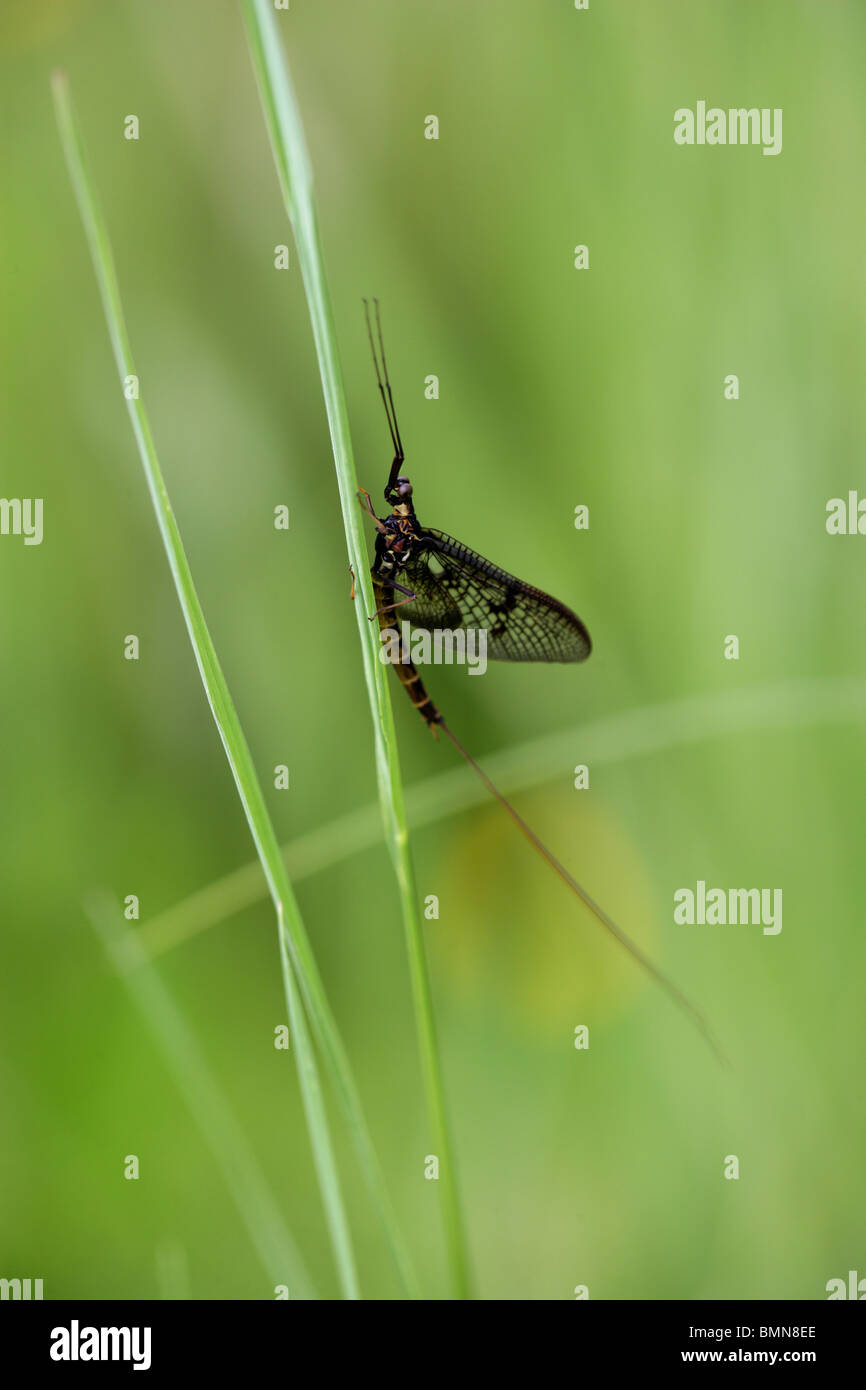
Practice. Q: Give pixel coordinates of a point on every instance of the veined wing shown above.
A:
(456, 588)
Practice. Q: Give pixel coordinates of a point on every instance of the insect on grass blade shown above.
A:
(434, 582)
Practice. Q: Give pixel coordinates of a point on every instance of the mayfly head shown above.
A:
(400, 496)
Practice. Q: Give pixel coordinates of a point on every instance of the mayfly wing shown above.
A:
(455, 587)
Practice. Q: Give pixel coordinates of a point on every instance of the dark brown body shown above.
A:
(407, 672)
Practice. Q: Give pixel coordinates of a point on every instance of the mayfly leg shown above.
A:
(389, 607)
(366, 502)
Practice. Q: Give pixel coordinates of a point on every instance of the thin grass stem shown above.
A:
(294, 171)
(292, 935)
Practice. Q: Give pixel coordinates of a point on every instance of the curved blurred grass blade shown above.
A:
(291, 929)
(634, 733)
(185, 1060)
(296, 182)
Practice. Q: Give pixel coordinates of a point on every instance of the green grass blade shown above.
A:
(291, 930)
(289, 148)
(187, 1063)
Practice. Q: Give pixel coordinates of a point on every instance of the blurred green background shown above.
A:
(557, 387)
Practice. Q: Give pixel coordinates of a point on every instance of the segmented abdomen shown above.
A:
(407, 672)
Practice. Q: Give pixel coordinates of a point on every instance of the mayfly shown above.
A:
(435, 582)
